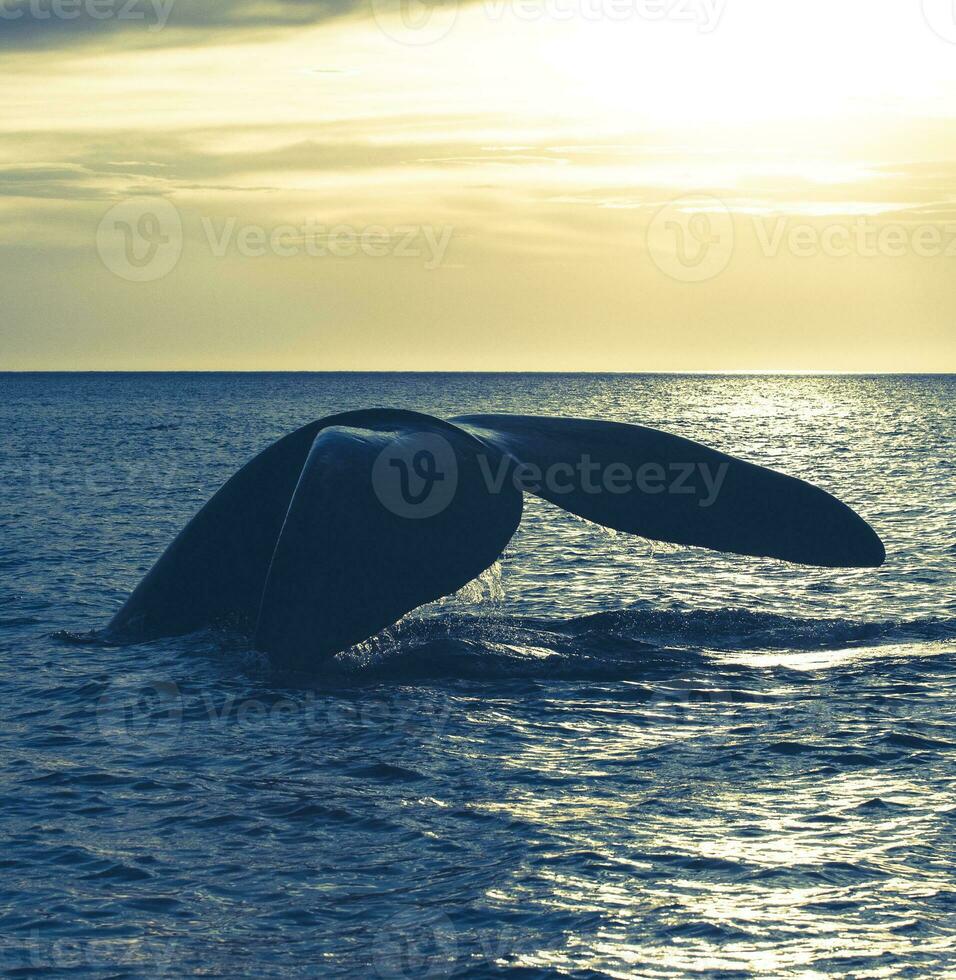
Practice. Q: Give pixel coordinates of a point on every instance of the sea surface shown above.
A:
(607, 758)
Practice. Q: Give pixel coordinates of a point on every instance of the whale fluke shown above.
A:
(692, 495)
(342, 527)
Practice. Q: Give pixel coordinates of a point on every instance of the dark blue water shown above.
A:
(607, 758)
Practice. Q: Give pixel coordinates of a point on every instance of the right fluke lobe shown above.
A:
(698, 496)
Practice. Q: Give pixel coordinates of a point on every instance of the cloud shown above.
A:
(62, 181)
(27, 24)
(109, 161)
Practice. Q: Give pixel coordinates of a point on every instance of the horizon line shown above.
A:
(769, 372)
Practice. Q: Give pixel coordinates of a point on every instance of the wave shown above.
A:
(634, 643)
(745, 629)
(627, 644)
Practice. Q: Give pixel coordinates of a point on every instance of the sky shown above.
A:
(626, 185)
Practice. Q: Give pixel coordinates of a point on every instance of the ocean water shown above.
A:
(606, 758)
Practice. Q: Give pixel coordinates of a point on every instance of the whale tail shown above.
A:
(344, 526)
(661, 486)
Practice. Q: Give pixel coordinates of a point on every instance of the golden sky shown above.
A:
(632, 185)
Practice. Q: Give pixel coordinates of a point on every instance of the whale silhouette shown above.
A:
(344, 526)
